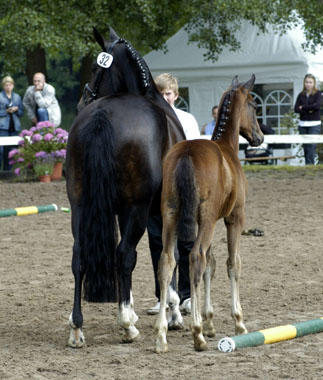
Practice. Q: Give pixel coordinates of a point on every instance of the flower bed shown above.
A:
(39, 149)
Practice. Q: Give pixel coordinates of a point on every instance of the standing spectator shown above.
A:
(11, 109)
(210, 126)
(41, 103)
(168, 86)
(308, 106)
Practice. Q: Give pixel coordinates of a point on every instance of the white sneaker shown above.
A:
(185, 307)
(155, 309)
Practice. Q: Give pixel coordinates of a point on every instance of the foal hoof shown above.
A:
(161, 347)
(241, 329)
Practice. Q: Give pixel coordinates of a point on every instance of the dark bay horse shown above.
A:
(203, 181)
(114, 168)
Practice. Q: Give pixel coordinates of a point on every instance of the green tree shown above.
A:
(214, 24)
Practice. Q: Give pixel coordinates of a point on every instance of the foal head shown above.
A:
(118, 69)
(249, 127)
(237, 107)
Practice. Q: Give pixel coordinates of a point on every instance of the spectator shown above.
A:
(168, 87)
(41, 103)
(11, 109)
(308, 104)
(210, 127)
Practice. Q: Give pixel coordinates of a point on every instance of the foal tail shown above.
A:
(187, 198)
(98, 230)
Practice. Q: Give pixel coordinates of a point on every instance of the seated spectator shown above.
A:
(40, 102)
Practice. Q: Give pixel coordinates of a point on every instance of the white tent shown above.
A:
(274, 59)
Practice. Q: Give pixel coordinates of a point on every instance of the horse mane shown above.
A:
(141, 66)
(223, 115)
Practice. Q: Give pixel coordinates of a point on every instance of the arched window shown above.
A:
(277, 103)
(260, 106)
(182, 104)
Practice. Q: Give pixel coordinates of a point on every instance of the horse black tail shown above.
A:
(98, 229)
(187, 198)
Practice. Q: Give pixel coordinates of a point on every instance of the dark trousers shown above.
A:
(310, 149)
(182, 252)
(4, 150)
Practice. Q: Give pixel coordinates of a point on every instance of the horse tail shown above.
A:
(187, 198)
(98, 229)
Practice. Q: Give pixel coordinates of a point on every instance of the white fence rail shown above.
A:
(270, 139)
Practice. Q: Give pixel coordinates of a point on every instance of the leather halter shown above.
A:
(87, 88)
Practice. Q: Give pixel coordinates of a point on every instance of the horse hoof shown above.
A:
(76, 339)
(131, 335)
(201, 346)
(241, 329)
(161, 348)
(209, 331)
(175, 325)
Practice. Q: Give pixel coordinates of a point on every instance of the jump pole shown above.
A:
(27, 210)
(271, 335)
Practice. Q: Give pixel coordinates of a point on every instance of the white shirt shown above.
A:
(189, 124)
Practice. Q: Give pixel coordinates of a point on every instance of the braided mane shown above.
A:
(223, 116)
(141, 65)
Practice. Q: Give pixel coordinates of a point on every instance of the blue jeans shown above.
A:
(4, 150)
(42, 114)
(310, 149)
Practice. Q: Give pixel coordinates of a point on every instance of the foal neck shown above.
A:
(226, 130)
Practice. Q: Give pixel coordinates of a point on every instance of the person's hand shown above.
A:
(12, 109)
(300, 107)
(38, 86)
(34, 120)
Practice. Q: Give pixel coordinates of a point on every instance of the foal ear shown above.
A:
(250, 83)
(99, 39)
(113, 35)
(235, 82)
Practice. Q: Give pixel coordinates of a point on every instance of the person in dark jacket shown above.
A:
(11, 109)
(308, 106)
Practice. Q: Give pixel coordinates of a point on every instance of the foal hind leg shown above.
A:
(234, 224)
(76, 339)
(207, 311)
(132, 225)
(197, 269)
(166, 267)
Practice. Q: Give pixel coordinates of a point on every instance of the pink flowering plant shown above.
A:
(39, 148)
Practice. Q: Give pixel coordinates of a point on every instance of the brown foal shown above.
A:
(203, 181)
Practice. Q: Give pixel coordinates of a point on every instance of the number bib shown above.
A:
(104, 60)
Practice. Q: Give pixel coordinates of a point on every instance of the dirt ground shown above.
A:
(281, 284)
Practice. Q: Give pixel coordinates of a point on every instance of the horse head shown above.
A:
(249, 127)
(118, 69)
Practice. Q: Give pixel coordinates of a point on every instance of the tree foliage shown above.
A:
(214, 24)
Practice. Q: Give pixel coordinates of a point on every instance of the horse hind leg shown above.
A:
(175, 319)
(76, 338)
(132, 225)
(207, 311)
(127, 319)
(234, 225)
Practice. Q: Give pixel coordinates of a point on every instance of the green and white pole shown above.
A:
(27, 210)
(272, 335)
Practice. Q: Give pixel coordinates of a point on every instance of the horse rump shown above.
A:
(98, 229)
(187, 198)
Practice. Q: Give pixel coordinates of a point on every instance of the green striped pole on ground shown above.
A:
(27, 210)
(272, 335)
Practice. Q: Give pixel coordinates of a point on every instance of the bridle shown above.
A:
(87, 88)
